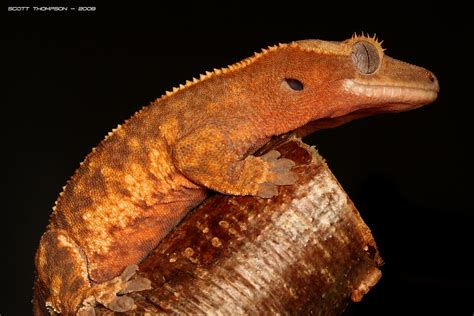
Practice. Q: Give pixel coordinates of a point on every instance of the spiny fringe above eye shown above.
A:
(240, 64)
(366, 37)
(243, 63)
(249, 60)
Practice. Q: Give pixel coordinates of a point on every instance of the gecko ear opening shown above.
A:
(365, 57)
(294, 84)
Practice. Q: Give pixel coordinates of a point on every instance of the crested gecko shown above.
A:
(140, 181)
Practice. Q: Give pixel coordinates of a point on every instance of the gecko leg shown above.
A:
(213, 159)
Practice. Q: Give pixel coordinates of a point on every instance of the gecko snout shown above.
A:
(433, 81)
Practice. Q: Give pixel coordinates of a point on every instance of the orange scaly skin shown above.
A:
(150, 171)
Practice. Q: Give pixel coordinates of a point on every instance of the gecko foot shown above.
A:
(111, 293)
(280, 174)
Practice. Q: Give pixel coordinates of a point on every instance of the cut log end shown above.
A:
(306, 250)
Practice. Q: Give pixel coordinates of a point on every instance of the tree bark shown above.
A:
(305, 251)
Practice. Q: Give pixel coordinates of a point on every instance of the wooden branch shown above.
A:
(305, 251)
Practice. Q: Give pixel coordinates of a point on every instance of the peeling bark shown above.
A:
(306, 251)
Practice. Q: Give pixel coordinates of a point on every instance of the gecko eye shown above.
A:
(365, 57)
(294, 84)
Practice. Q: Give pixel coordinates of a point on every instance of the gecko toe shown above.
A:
(267, 190)
(136, 285)
(282, 165)
(129, 271)
(272, 155)
(285, 178)
(121, 304)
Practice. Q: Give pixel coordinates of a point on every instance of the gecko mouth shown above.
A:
(378, 99)
(392, 93)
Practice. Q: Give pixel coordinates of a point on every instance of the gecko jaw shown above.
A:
(393, 93)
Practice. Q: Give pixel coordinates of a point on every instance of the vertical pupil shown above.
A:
(365, 57)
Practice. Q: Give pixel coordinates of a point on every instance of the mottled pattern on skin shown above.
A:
(149, 172)
(123, 197)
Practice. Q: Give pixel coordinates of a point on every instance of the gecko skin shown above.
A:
(133, 188)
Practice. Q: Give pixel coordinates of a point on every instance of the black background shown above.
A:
(71, 77)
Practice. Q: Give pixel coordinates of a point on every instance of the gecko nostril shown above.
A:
(431, 77)
(433, 81)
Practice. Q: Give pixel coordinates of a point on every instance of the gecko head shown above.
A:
(353, 78)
